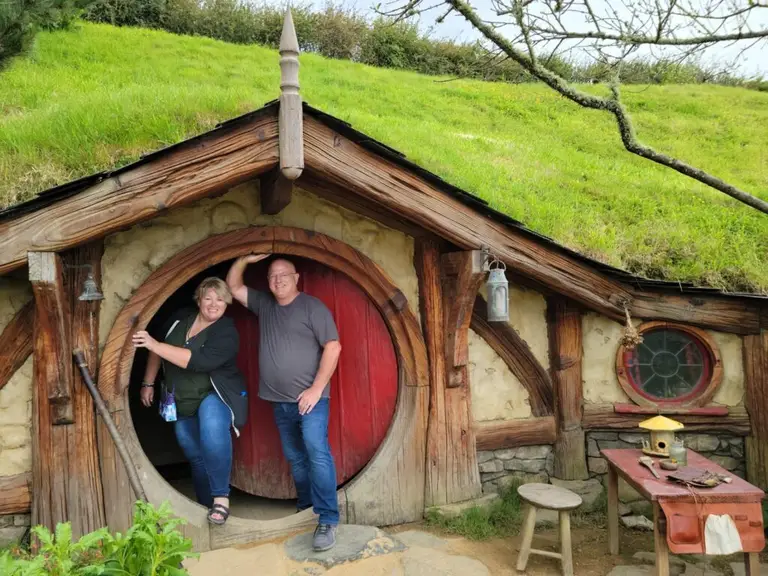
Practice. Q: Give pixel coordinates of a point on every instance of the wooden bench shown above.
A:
(548, 497)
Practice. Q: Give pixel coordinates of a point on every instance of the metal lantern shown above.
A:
(497, 292)
(90, 290)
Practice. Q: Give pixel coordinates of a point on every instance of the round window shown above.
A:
(673, 365)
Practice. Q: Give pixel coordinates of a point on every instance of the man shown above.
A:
(298, 352)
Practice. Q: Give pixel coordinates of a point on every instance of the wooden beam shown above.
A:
(275, 191)
(565, 350)
(756, 384)
(84, 490)
(343, 163)
(452, 471)
(53, 351)
(16, 342)
(15, 495)
(190, 172)
(316, 185)
(738, 316)
(51, 390)
(501, 434)
(603, 417)
(461, 277)
(506, 342)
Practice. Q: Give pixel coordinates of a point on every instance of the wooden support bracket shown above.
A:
(462, 275)
(53, 342)
(16, 342)
(275, 191)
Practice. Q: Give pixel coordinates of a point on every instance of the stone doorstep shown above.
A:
(453, 510)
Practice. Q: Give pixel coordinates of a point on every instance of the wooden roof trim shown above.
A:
(362, 172)
(230, 155)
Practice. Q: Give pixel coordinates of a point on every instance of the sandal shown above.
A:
(218, 509)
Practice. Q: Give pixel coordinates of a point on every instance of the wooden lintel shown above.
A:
(501, 434)
(511, 348)
(604, 417)
(53, 342)
(461, 277)
(275, 191)
(202, 168)
(15, 494)
(16, 342)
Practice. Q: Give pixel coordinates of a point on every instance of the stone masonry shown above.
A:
(12, 528)
(501, 468)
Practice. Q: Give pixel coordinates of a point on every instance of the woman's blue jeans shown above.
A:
(305, 446)
(206, 442)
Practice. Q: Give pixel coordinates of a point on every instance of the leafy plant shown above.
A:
(152, 546)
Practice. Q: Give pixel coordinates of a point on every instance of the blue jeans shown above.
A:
(207, 444)
(305, 446)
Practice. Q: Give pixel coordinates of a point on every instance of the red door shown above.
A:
(363, 388)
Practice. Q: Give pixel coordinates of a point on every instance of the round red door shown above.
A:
(363, 388)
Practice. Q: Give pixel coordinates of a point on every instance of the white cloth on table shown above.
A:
(721, 535)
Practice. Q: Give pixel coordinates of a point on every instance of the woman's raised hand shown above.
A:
(142, 339)
(253, 258)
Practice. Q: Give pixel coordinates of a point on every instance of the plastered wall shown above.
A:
(16, 396)
(130, 256)
(497, 394)
(601, 338)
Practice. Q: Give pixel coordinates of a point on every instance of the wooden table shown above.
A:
(624, 463)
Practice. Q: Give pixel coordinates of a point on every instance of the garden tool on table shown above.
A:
(130, 467)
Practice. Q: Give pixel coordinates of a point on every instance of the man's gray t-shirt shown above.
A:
(291, 343)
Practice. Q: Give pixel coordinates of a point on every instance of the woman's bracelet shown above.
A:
(147, 384)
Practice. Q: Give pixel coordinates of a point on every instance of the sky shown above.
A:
(754, 62)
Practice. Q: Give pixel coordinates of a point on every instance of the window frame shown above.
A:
(697, 400)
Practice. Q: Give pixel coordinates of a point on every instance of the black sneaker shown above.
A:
(324, 538)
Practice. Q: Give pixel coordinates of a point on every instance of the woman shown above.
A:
(199, 363)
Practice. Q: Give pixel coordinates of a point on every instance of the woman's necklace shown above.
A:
(191, 333)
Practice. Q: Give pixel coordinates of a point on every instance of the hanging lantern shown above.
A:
(497, 292)
(90, 290)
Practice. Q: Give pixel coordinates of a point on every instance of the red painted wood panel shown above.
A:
(363, 388)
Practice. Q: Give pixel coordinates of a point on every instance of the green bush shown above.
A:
(342, 33)
(152, 546)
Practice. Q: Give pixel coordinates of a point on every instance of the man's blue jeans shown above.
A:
(305, 446)
(206, 442)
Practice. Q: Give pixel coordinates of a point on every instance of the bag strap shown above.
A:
(166, 335)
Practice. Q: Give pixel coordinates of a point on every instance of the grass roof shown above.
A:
(98, 97)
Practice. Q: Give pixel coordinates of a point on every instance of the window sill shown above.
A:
(620, 408)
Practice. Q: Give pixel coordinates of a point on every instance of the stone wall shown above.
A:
(12, 528)
(501, 468)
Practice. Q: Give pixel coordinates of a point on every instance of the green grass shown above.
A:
(504, 518)
(99, 97)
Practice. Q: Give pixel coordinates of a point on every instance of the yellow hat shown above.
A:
(661, 423)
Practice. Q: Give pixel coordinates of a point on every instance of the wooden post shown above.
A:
(86, 497)
(290, 121)
(52, 390)
(565, 354)
(452, 472)
(756, 380)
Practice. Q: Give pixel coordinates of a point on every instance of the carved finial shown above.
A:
(291, 131)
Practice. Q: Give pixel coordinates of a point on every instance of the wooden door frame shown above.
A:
(389, 490)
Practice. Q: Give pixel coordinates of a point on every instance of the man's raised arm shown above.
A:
(235, 276)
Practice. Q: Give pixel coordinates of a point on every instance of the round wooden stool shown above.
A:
(548, 497)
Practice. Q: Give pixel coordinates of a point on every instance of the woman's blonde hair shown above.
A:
(218, 285)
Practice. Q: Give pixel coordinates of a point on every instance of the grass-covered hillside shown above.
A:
(99, 96)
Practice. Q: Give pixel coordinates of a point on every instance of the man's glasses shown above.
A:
(276, 277)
